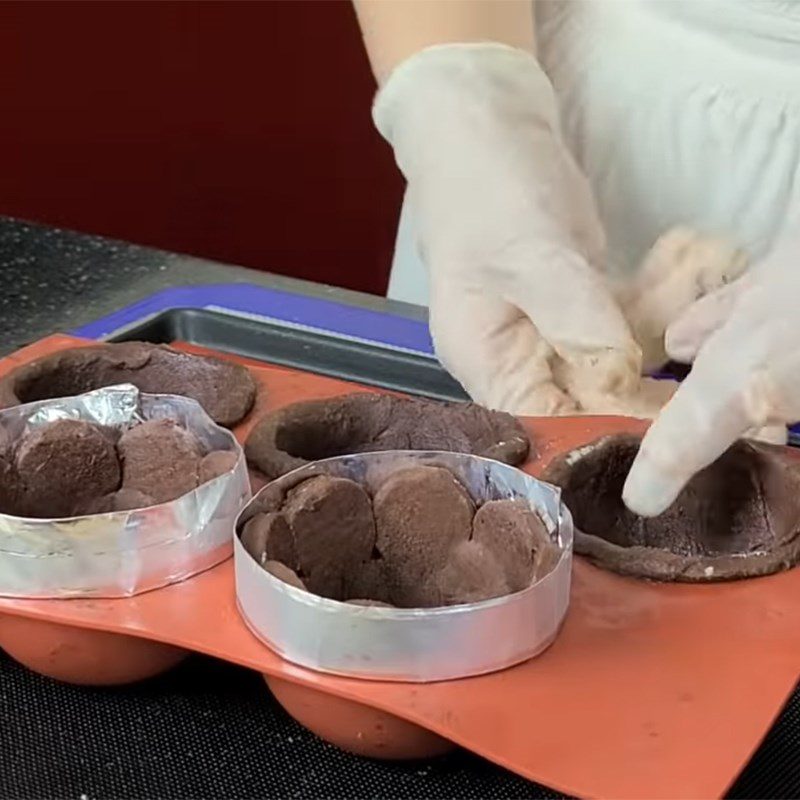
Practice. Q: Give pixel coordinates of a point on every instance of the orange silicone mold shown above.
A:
(651, 690)
(82, 655)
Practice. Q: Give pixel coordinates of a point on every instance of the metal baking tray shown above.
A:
(323, 354)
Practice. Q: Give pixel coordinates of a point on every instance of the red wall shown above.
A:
(238, 131)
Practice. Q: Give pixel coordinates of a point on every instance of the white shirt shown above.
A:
(679, 112)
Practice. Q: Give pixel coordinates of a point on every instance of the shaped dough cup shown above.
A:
(122, 553)
(411, 644)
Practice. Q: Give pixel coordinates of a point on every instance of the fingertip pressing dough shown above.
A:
(737, 518)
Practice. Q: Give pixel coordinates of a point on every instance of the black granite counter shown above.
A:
(55, 280)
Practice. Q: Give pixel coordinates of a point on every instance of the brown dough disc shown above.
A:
(738, 518)
(368, 580)
(267, 537)
(358, 423)
(217, 463)
(159, 459)
(226, 391)
(517, 539)
(333, 529)
(62, 465)
(122, 500)
(421, 513)
(471, 575)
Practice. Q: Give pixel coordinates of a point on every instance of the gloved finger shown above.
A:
(772, 434)
(645, 403)
(707, 414)
(567, 299)
(495, 352)
(681, 267)
(687, 334)
(578, 316)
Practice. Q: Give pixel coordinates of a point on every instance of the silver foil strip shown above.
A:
(411, 645)
(122, 553)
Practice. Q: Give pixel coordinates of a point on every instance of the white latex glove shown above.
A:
(519, 311)
(744, 341)
(683, 266)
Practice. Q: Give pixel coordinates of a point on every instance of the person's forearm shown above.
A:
(393, 30)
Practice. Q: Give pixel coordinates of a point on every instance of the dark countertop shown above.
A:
(56, 280)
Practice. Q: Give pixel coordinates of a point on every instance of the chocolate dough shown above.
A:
(217, 463)
(122, 500)
(160, 459)
(322, 530)
(283, 573)
(517, 539)
(418, 543)
(62, 465)
(331, 521)
(267, 537)
(739, 517)
(225, 390)
(471, 574)
(359, 423)
(369, 580)
(11, 490)
(421, 514)
(73, 468)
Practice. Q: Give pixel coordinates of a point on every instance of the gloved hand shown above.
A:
(744, 341)
(681, 267)
(519, 311)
